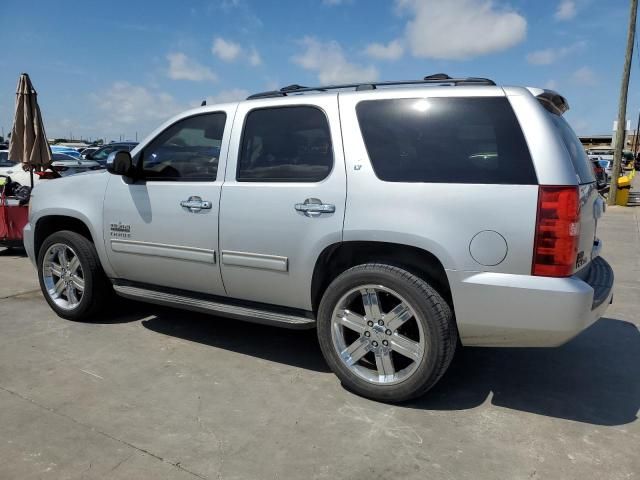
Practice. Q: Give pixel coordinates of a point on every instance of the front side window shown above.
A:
(187, 150)
(285, 144)
(445, 140)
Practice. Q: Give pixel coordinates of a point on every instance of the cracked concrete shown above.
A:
(157, 393)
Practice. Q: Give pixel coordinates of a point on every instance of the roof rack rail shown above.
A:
(438, 78)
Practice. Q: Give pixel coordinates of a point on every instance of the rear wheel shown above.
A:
(71, 277)
(387, 334)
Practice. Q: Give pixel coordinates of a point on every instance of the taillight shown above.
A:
(557, 231)
(47, 175)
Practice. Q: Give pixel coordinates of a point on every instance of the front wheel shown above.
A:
(71, 277)
(387, 334)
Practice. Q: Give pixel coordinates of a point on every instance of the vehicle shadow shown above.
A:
(595, 378)
(298, 348)
(13, 252)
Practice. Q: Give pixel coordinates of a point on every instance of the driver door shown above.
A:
(162, 229)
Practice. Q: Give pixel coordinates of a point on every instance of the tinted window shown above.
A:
(4, 160)
(60, 157)
(102, 154)
(445, 140)
(187, 150)
(576, 151)
(288, 144)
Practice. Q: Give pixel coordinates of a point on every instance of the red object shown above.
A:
(557, 231)
(13, 218)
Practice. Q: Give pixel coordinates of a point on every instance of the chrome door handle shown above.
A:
(312, 207)
(195, 204)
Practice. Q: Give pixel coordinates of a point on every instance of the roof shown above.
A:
(437, 79)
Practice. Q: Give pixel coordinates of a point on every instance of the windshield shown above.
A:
(102, 154)
(57, 157)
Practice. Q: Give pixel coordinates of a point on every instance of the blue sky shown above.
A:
(105, 69)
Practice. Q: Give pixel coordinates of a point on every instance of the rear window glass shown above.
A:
(445, 140)
(285, 144)
(579, 157)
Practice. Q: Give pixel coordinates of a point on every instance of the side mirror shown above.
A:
(120, 163)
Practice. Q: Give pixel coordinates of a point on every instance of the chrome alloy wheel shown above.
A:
(63, 276)
(377, 334)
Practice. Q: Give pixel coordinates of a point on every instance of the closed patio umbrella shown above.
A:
(28, 138)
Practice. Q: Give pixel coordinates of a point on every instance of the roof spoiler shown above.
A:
(551, 100)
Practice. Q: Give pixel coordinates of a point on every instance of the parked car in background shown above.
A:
(101, 154)
(66, 165)
(14, 170)
(604, 164)
(66, 150)
(603, 153)
(471, 216)
(86, 151)
(598, 171)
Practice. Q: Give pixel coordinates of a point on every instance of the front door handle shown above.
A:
(195, 204)
(312, 207)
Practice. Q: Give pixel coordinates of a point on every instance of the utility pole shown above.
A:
(622, 105)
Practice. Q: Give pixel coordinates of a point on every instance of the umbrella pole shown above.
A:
(31, 175)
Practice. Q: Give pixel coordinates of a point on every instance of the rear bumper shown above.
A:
(497, 309)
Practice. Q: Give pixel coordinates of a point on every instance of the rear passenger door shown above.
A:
(283, 198)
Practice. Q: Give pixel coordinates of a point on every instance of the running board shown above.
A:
(246, 313)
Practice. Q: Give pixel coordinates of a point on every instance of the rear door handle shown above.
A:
(195, 204)
(313, 207)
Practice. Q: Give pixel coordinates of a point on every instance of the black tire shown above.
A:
(432, 311)
(97, 288)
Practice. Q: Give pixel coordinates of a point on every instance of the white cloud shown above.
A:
(127, 108)
(327, 59)
(551, 84)
(460, 29)
(182, 67)
(584, 76)
(232, 95)
(254, 58)
(230, 51)
(391, 51)
(551, 55)
(566, 10)
(225, 49)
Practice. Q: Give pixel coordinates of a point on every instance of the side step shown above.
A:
(216, 307)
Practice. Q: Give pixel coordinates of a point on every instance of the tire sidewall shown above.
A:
(75, 242)
(428, 366)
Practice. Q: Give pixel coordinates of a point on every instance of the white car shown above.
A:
(14, 170)
(63, 164)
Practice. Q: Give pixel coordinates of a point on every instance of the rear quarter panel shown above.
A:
(441, 218)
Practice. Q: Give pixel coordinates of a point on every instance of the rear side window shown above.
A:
(579, 157)
(445, 140)
(285, 144)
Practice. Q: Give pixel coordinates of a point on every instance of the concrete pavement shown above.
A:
(157, 393)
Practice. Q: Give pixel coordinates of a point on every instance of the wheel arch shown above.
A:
(49, 224)
(339, 257)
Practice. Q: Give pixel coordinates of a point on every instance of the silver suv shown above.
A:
(399, 219)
